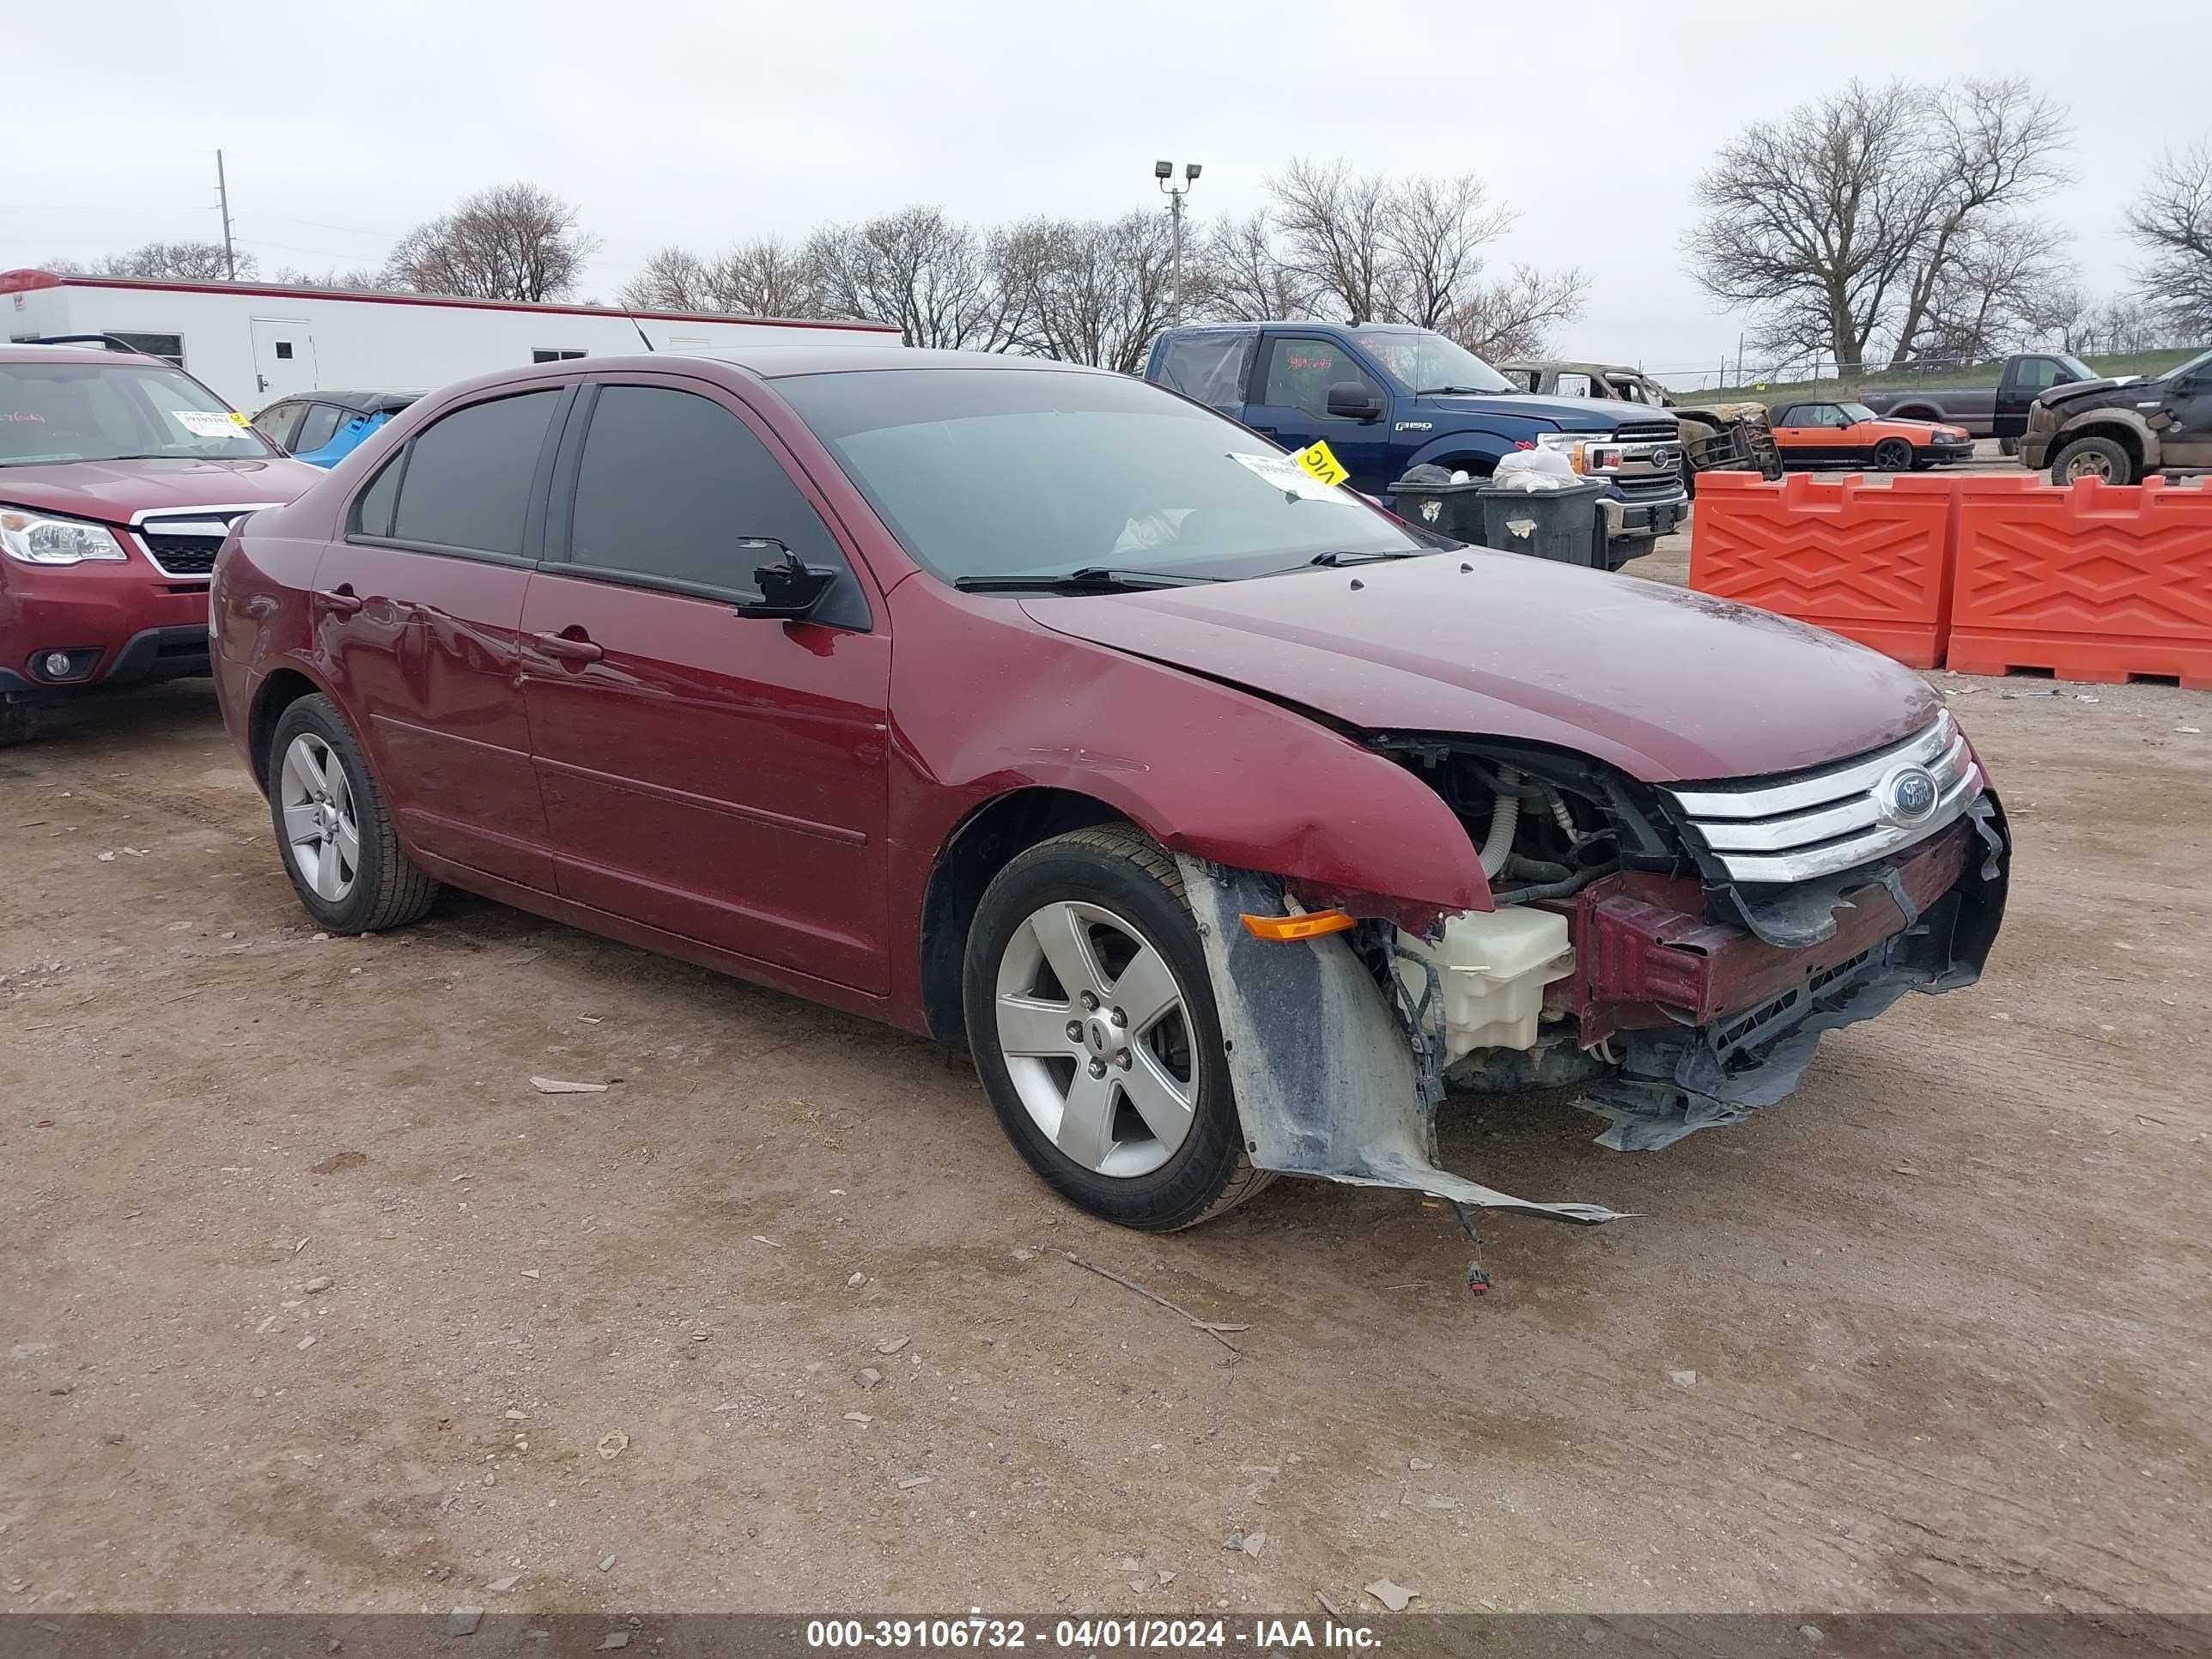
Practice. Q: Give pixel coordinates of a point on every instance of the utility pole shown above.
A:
(222, 195)
(1165, 172)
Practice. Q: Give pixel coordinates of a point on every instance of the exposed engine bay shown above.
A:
(1626, 957)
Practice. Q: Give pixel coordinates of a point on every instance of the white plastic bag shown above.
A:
(1533, 469)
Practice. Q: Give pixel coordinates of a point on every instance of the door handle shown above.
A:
(1264, 431)
(340, 601)
(567, 647)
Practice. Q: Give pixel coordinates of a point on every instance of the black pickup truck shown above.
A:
(1987, 412)
(2123, 431)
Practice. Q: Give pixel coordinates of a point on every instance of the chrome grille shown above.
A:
(1645, 432)
(185, 546)
(1816, 823)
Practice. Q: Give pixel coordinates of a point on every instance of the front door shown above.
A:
(1813, 434)
(719, 777)
(1290, 401)
(283, 357)
(2188, 441)
(417, 610)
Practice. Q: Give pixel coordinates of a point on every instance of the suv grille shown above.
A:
(1648, 432)
(1816, 823)
(186, 546)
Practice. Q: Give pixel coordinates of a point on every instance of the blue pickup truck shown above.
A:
(1388, 397)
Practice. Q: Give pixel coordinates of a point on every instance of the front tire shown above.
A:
(2093, 457)
(1091, 1020)
(332, 828)
(1893, 455)
(20, 722)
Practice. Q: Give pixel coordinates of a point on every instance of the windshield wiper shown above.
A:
(1433, 391)
(1337, 561)
(1089, 576)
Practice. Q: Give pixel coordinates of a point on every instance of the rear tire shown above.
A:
(2093, 457)
(333, 831)
(20, 722)
(1119, 896)
(1893, 455)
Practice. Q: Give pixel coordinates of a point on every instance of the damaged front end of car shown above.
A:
(1673, 952)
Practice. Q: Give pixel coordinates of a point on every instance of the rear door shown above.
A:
(418, 608)
(1290, 404)
(283, 356)
(718, 777)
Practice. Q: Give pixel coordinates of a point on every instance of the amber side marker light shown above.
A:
(1312, 925)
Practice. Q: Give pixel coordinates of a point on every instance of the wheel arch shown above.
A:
(278, 690)
(978, 846)
(2123, 427)
(1915, 411)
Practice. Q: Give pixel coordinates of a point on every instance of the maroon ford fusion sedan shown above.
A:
(1228, 821)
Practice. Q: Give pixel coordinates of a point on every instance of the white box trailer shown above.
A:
(254, 343)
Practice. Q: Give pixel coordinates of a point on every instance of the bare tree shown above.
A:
(928, 274)
(1433, 233)
(764, 277)
(1236, 275)
(356, 281)
(1332, 224)
(175, 262)
(1087, 291)
(2172, 218)
(510, 242)
(1514, 316)
(1813, 221)
(1992, 147)
(2003, 287)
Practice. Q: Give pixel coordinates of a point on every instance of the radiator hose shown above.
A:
(1505, 818)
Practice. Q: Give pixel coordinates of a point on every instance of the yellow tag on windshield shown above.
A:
(237, 419)
(1318, 463)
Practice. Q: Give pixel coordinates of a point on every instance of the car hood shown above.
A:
(1568, 414)
(116, 491)
(2075, 390)
(1662, 682)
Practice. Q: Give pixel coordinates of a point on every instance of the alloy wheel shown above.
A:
(322, 834)
(1095, 1033)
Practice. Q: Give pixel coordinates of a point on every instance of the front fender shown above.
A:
(1206, 768)
(1466, 444)
(2082, 426)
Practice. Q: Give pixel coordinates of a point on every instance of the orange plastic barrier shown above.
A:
(1864, 555)
(2095, 582)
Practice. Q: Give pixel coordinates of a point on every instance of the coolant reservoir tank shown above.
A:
(1493, 969)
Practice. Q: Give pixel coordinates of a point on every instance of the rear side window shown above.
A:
(1207, 366)
(372, 513)
(468, 478)
(670, 483)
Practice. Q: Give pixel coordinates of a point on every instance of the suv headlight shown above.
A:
(1587, 453)
(34, 539)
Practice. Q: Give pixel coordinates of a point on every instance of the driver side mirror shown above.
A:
(1354, 401)
(789, 588)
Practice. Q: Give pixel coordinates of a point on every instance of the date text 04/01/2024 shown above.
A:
(978, 1631)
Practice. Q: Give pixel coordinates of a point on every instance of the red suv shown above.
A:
(119, 477)
(1228, 821)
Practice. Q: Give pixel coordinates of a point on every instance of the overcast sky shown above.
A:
(702, 123)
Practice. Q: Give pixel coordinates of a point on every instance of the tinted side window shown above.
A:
(1300, 372)
(372, 511)
(469, 476)
(316, 430)
(670, 483)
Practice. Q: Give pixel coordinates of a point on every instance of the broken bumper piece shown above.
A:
(1328, 1082)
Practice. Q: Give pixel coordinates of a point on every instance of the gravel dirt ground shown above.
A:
(312, 1301)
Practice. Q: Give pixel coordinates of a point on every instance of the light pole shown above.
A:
(1165, 172)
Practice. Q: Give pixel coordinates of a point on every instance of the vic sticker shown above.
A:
(201, 425)
(1318, 463)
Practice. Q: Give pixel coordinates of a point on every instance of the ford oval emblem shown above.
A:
(1909, 794)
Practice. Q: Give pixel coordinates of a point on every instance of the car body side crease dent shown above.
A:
(1327, 1080)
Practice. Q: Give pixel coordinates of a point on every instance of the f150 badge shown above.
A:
(1413, 426)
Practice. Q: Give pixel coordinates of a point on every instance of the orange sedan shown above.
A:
(1851, 435)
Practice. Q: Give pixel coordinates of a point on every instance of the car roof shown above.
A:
(774, 362)
(363, 400)
(26, 353)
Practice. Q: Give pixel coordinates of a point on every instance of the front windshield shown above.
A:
(990, 473)
(1426, 361)
(1856, 412)
(103, 411)
(2076, 368)
(2196, 364)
